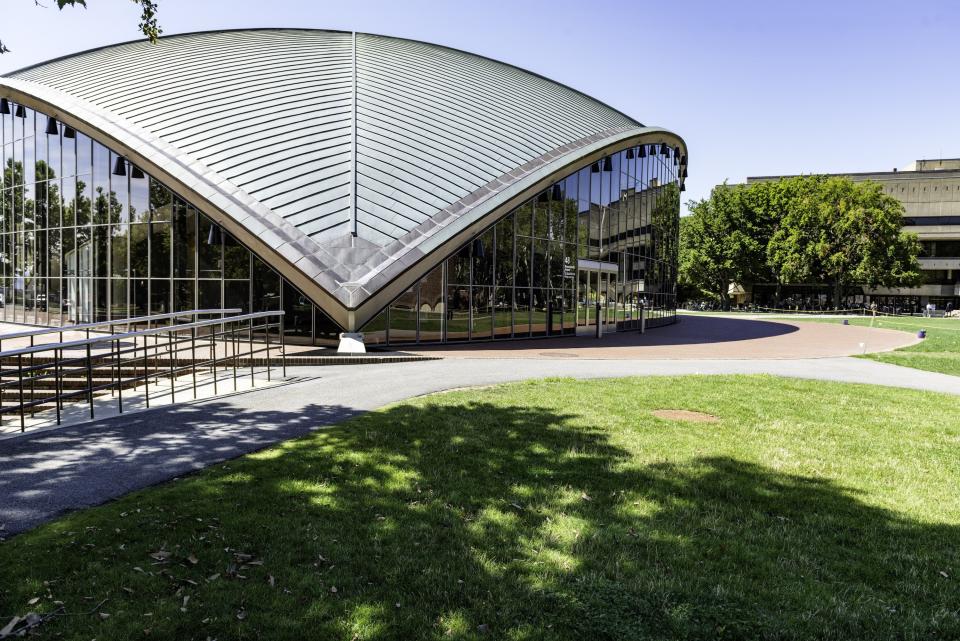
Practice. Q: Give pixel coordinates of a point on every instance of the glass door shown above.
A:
(612, 303)
(586, 302)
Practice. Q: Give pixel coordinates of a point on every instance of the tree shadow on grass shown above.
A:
(440, 521)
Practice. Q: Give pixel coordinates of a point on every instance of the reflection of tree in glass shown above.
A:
(107, 207)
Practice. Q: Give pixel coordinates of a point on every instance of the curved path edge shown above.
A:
(51, 473)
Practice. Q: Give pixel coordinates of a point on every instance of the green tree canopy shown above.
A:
(797, 230)
(840, 232)
(721, 243)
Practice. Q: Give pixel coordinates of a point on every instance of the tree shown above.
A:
(841, 233)
(721, 243)
(148, 18)
(766, 203)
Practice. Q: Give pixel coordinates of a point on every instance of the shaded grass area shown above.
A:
(541, 510)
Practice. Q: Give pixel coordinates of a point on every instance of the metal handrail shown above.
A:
(109, 338)
(112, 323)
(233, 330)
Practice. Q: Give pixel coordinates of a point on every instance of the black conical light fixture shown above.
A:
(683, 173)
(213, 236)
(478, 249)
(136, 173)
(683, 187)
(595, 168)
(69, 132)
(643, 152)
(4, 106)
(21, 112)
(607, 164)
(630, 153)
(120, 167)
(52, 129)
(557, 192)
(665, 149)
(683, 159)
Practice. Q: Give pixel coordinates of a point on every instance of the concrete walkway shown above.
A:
(698, 338)
(48, 474)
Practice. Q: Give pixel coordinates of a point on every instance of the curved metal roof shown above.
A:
(341, 151)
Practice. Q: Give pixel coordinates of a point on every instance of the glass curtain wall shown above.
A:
(602, 241)
(85, 236)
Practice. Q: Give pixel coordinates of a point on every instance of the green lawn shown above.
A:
(544, 510)
(938, 352)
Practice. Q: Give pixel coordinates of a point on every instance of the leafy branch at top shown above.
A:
(148, 26)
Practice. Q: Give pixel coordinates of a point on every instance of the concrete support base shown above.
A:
(351, 343)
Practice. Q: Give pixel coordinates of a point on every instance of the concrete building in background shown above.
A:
(359, 182)
(930, 193)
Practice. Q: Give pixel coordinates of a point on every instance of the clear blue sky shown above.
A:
(758, 87)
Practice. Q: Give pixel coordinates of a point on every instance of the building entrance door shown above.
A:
(596, 298)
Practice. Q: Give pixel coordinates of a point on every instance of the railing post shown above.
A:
(58, 400)
(89, 380)
(23, 424)
(135, 350)
(32, 391)
(266, 333)
(250, 330)
(283, 347)
(193, 356)
(173, 397)
(146, 374)
(213, 356)
(111, 366)
(116, 344)
(233, 346)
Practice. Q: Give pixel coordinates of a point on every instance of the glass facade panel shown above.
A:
(432, 306)
(588, 252)
(79, 242)
(403, 317)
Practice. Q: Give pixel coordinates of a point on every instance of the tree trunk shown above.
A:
(725, 299)
(837, 294)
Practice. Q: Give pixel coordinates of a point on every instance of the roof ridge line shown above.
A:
(353, 140)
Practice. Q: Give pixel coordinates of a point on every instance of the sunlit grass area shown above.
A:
(938, 352)
(542, 510)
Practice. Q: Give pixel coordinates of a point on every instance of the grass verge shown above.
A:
(544, 510)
